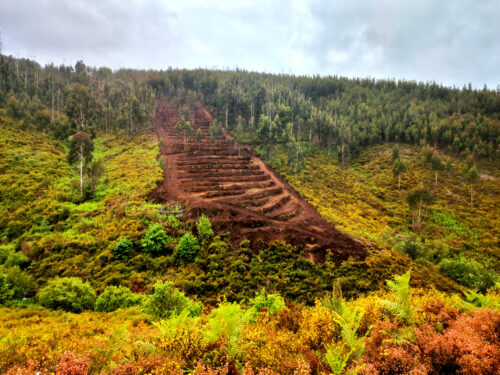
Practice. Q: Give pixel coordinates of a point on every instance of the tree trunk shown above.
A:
(227, 114)
(81, 171)
(471, 194)
(399, 181)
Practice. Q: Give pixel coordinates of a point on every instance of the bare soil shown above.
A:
(240, 193)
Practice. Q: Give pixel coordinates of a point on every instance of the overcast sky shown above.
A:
(449, 41)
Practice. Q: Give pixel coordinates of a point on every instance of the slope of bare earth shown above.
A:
(239, 192)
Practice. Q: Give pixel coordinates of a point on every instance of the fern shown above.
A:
(169, 327)
(484, 301)
(225, 324)
(401, 306)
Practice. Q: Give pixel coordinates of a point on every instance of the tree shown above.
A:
(80, 150)
(471, 175)
(188, 247)
(81, 106)
(436, 165)
(397, 168)
(418, 200)
(94, 172)
(199, 135)
(185, 127)
(155, 240)
(296, 157)
(395, 153)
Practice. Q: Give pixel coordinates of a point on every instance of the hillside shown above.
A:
(227, 222)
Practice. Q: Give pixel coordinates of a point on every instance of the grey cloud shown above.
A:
(453, 42)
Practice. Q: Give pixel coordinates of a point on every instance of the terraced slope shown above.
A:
(239, 191)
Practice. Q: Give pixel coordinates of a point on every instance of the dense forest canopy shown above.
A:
(344, 115)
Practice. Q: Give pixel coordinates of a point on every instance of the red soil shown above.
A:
(241, 194)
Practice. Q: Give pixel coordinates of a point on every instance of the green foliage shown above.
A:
(411, 247)
(6, 291)
(116, 297)
(188, 247)
(155, 240)
(204, 228)
(469, 273)
(225, 324)
(269, 303)
(11, 258)
(68, 294)
(395, 153)
(401, 306)
(173, 221)
(123, 248)
(167, 301)
(483, 301)
(20, 282)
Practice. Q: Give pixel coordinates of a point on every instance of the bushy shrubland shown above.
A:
(123, 248)
(68, 294)
(188, 247)
(469, 273)
(116, 297)
(167, 301)
(155, 240)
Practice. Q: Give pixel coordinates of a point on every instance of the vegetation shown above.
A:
(410, 168)
(68, 294)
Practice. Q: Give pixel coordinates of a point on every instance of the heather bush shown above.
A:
(72, 365)
(67, 293)
(167, 301)
(116, 297)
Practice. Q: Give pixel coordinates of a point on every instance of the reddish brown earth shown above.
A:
(241, 194)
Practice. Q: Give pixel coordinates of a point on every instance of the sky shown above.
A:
(452, 42)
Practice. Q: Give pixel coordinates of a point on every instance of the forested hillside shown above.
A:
(409, 171)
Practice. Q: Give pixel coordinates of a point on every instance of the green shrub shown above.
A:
(6, 291)
(21, 283)
(167, 301)
(155, 240)
(204, 228)
(68, 294)
(11, 258)
(411, 247)
(270, 303)
(123, 248)
(173, 222)
(469, 273)
(116, 297)
(188, 247)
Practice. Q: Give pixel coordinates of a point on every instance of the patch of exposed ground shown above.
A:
(240, 193)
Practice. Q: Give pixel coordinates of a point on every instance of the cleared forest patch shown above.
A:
(239, 191)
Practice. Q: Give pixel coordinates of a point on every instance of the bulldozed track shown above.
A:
(239, 192)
